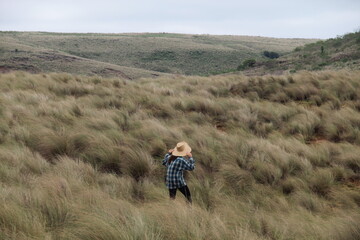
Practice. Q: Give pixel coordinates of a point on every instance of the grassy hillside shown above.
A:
(277, 157)
(17, 56)
(160, 52)
(336, 53)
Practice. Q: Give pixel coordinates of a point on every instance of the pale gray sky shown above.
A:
(277, 18)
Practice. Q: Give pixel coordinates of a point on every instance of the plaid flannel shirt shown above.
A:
(174, 174)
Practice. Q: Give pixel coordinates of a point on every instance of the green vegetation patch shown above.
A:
(165, 55)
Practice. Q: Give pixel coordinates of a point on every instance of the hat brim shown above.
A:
(183, 153)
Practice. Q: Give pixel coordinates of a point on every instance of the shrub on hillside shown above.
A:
(249, 63)
(271, 55)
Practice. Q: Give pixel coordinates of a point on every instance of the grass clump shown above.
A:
(136, 163)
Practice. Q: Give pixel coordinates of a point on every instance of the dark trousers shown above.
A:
(184, 190)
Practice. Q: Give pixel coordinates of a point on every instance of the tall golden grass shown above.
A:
(277, 157)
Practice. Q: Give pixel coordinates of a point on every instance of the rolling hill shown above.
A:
(153, 52)
(342, 52)
(17, 56)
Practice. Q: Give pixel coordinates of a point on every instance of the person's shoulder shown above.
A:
(182, 159)
(178, 159)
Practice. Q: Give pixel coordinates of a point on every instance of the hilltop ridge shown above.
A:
(147, 53)
(342, 52)
(36, 59)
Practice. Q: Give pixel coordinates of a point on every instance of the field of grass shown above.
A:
(277, 157)
(159, 52)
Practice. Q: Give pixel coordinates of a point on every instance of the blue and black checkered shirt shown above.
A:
(174, 174)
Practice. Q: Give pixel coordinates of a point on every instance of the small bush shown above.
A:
(271, 55)
(249, 63)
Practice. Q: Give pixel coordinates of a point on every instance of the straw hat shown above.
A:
(181, 149)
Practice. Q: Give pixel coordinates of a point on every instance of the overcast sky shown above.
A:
(278, 18)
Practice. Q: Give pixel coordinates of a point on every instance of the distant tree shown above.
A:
(271, 55)
(16, 50)
(248, 63)
(274, 55)
(322, 49)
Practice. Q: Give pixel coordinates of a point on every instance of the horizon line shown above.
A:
(179, 33)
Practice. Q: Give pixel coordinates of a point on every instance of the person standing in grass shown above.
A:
(176, 163)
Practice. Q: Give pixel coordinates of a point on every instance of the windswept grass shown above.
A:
(276, 157)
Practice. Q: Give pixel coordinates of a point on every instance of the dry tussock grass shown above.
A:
(81, 157)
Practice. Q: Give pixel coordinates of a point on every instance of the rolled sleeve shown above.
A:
(166, 158)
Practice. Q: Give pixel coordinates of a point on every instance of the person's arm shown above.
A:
(188, 164)
(167, 156)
